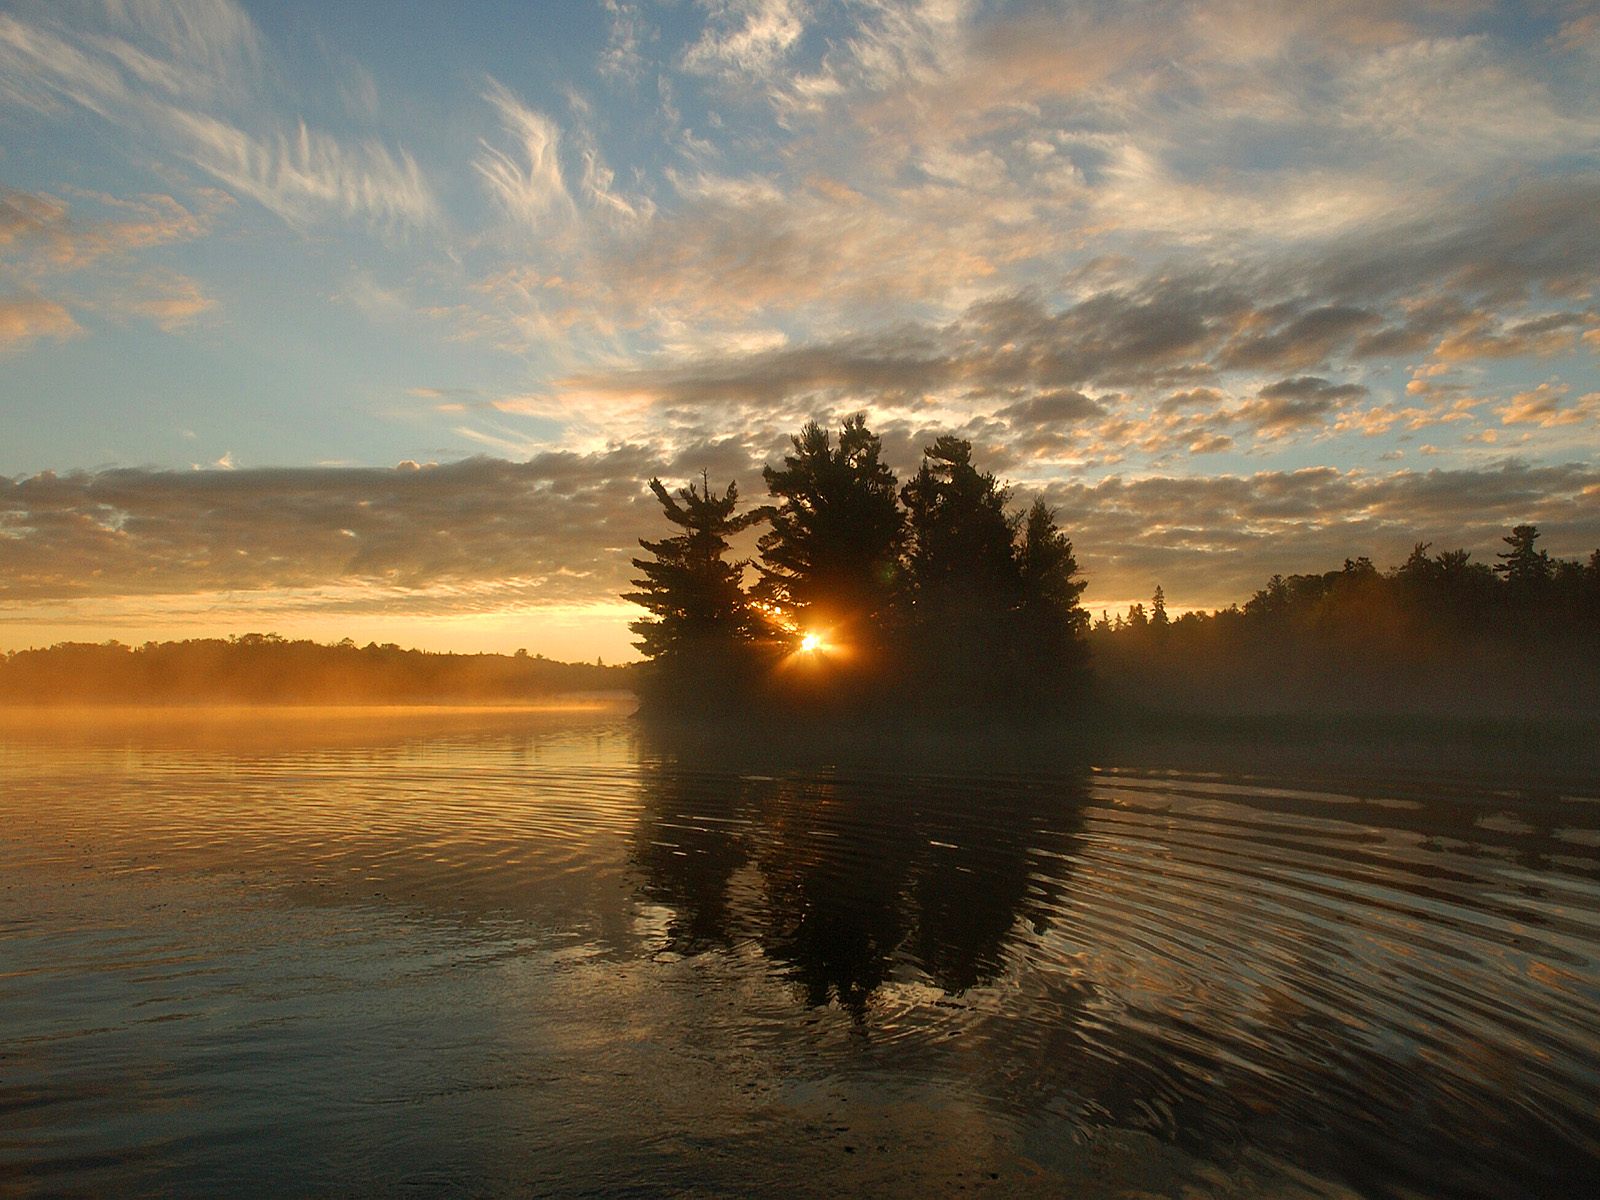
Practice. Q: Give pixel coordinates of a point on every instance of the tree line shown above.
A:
(867, 596)
(1438, 634)
(264, 668)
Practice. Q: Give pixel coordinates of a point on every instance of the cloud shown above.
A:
(26, 319)
(165, 68)
(1213, 541)
(1543, 406)
(1205, 327)
(561, 522)
(1310, 387)
(1480, 336)
(1305, 339)
(623, 57)
(1292, 403)
(926, 156)
(528, 185)
(1090, 238)
(92, 263)
(212, 38)
(40, 234)
(561, 527)
(301, 174)
(747, 37)
(1544, 234)
(1052, 408)
(170, 301)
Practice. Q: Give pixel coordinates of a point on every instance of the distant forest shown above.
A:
(1439, 635)
(261, 668)
(870, 599)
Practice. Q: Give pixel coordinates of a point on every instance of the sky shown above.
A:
(374, 319)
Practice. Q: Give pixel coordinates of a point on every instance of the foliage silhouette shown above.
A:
(1438, 635)
(701, 631)
(1052, 621)
(831, 556)
(1523, 566)
(963, 580)
(948, 606)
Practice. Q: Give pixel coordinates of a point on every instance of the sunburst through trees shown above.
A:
(867, 597)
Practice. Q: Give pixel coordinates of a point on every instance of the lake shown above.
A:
(539, 952)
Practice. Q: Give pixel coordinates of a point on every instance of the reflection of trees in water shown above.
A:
(693, 835)
(1135, 1014)
(862, 876)
(985, 867)
(834, 864)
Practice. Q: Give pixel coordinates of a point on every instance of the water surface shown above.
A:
(333, 953)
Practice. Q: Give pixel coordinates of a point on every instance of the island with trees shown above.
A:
(870, 600)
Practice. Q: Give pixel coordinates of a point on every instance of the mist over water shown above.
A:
(543, 952)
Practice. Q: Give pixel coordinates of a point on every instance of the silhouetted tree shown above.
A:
(1271, 601)
(963, 580)
(1523, 566)
(832, 550)
(1418, 569)
(269, 669)
(701, 623)
(1051, 622)
(1049, 569)
(1158, 609)
(959, 537)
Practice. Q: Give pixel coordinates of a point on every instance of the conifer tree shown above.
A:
(962, 582)
(1050, 620)
(960, 540)
(835, 530)
(1523, 566)
(695, 595)
(1158, 609)
(1049, 568)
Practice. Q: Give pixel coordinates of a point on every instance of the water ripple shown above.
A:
(542, 954)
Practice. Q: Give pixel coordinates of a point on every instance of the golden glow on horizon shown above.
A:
(568, 632)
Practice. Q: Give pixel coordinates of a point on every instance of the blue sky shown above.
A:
(373, 319)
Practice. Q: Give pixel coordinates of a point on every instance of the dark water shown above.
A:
(533, 953)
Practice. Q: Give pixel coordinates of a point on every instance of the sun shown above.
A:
(811, 643)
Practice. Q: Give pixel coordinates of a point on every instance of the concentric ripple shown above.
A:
(535, 952)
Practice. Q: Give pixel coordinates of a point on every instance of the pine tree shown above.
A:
(1049, 568)
(962, 582)
(1158, 609)
(1524, 567)
(695, 594)
(1051, 622)
(832, 550)
(960, 540)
